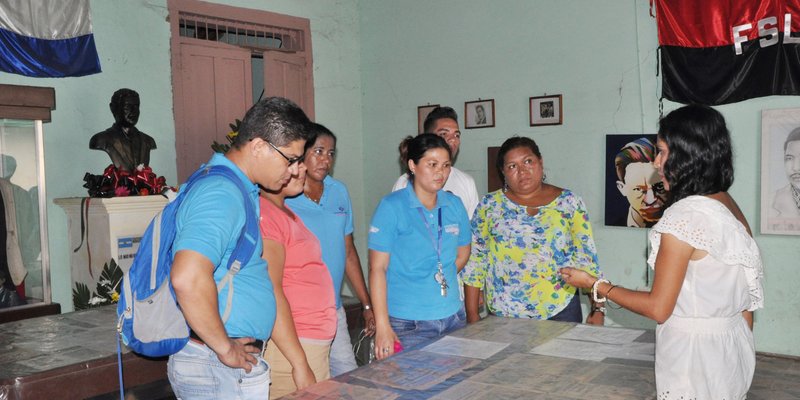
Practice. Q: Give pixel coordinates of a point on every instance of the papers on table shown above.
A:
(584, 342)
(472, 348)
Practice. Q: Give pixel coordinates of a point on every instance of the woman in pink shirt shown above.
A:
(305, 325)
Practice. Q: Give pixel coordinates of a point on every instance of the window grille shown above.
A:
(249, 35)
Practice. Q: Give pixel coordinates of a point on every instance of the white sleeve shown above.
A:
(401, 183)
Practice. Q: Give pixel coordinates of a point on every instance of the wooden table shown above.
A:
(504, 358)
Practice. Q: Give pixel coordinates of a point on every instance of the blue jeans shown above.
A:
(572, 313)
(413, 332)
(195, 372)
(342, 357)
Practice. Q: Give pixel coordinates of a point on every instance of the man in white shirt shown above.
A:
(443, 121)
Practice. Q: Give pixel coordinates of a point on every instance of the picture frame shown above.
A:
(780, 171)
(546, 110)
(479, 114)
(422, 113)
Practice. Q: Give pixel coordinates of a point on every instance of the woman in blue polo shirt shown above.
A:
(418, 241)
(326, 210)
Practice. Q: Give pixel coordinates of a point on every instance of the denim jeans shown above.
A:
(195, 372)
(572, 313)
(342, 357)
(414, 332)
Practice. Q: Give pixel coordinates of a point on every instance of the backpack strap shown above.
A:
(248, 238)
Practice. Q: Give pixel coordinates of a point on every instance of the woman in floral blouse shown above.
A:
(521, 236)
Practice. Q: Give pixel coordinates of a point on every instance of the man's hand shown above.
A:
(239, 354)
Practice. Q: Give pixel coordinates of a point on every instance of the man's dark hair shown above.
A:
(512, 143)
(414, 148)
(700, 159)
(793, 135)
(276, 120)
(437, 114)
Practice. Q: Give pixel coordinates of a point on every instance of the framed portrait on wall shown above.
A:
(635, 195)
(479, 114)
(422, 113)
(546, 110)
(780, 171)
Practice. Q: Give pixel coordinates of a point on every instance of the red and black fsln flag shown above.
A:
(725, 51)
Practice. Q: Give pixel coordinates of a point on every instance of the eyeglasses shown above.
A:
(292, 160)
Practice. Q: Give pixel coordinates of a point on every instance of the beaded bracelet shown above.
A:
(594, 291)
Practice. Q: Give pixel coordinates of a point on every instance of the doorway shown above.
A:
(224, 58)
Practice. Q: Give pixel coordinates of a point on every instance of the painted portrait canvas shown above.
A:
(635, 196)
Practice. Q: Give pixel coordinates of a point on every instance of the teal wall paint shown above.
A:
(132, 38)
(602, 57)
(375, 61)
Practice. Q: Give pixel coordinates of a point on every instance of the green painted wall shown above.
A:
(375, 61)
(602, 57)
(132, 39)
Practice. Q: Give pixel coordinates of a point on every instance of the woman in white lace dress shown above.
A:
(708, 271)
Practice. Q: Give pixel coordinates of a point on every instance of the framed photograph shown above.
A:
(422, 113)
(635, 195)
(780, 171)
(479, 114)
(546, 110)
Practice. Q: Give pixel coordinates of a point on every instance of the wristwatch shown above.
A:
(367, 307)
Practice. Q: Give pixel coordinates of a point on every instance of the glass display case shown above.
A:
(24, 263)
(24, 257)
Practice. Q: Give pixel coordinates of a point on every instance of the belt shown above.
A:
(195, 338)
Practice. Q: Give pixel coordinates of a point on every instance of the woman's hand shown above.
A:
(596, 318)
(303, 377)
(369, 322)
(577, 278)
(384, 343)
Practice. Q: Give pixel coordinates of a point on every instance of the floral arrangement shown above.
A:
(223, 148)
(106, 291)
(119, 183)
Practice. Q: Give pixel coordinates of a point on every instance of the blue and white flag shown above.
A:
(47, 38)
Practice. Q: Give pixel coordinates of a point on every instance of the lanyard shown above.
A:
(437, 243)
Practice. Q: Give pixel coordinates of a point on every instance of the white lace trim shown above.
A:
(706, 224)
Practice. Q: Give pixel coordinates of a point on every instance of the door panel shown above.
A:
(286, 75)
(216, 89)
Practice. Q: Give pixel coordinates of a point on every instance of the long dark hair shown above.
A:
(414, 148)
(700, 157)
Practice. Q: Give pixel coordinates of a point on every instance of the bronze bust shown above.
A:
(127, 146)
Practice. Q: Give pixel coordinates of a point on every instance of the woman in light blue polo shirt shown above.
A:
(418, 241)
(326, 210)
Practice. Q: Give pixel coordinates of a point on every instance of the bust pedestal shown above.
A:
(102, 229)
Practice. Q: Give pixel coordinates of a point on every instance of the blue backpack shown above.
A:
(150, 320)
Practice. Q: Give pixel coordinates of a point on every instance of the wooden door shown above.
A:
(287, 75)
(216, 89)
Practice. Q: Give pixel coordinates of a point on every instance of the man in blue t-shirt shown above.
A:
(223, 359)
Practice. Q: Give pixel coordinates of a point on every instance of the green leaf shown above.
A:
(81, 296)
(109, 280)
